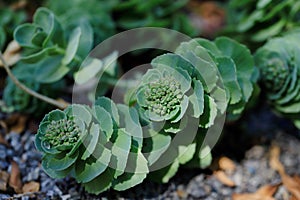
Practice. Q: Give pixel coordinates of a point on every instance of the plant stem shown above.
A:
(28, 90)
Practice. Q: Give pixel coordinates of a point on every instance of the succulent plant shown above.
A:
(252, 22)
(93, 145)
(238, 73)
(9, 19)
(153, 13)
(279, 65)
(18, 100)
(96, 12)
(162, 93)
(198, 82)
(46, 45)
(163, 125)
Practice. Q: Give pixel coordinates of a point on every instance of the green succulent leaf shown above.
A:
(110, 107)
(186, 153)
(55, 173)
(155, 145)
(24, 35)
(227, 70)
(137, 163)
(101, 183)
(166, 173)
(87, 170)
(205, 157)
(91, 141)
(51, 70)
(279, 70)
(45, 19)
(197, 99)
(210, 112)
(120, 152)
(60, 161)
(105, 120)
(88, 71)
(129, 119)
(72, 46)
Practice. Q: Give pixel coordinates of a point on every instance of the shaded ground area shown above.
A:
(248, 146)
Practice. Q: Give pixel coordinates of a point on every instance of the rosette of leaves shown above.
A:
(174, 93)
(96, 12)
(46, 44)
(278, 62)
(153, 13)
(256, 21)
(196, 84)
(9, 19)
(100, 146)
(16, 99)
(238, 73)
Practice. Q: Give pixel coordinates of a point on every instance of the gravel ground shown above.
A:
(252, 169)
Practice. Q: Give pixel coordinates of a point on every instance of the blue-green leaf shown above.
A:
(50, 70)
(72, 46)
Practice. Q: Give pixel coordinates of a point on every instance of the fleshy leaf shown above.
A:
(72, 46)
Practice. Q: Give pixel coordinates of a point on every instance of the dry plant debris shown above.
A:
(291, 183)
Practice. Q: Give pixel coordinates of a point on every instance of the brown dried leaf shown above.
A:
(16, 123)
(4, 176)
(207, 16)
(31, 187)
(293, 198)
(181, 194)
(4, 126)
(3, 141)
(292, 185)
(223, 178)
(264, 193)
(297, 178)
(15, 177)
(274, 159)
(11, 54)
(226, 164)
(19, 5)
(65, 103)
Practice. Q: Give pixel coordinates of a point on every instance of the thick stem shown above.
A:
(28, 90)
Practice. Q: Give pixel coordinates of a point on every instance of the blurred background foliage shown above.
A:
(251, 22)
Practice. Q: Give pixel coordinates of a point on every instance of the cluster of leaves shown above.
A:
(153, 13)
(9, 19)
(97, 12)
(278, 62)
(163, 124)
(110, 17)
(50, 51)
(58, 40)
(17, 100)
(94, 145)
(256, 21)
(187, 90)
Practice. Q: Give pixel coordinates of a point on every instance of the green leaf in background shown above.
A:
(51, 70)
(72, 46)
(89, 71)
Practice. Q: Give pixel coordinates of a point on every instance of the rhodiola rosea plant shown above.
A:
(279, 65)
(254, 21)
(196, 83)
(51, 53)
(116, 146)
